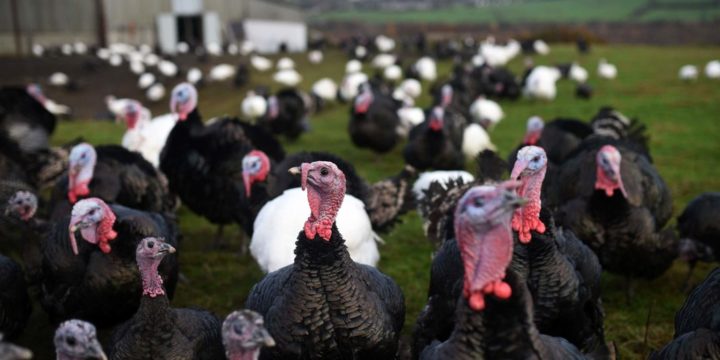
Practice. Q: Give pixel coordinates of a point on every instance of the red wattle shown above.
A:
(502, 290)
(477, 301)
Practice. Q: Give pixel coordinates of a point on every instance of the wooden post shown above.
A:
(16, 27)
(101, 27)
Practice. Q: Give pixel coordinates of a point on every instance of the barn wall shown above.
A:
(133, 21)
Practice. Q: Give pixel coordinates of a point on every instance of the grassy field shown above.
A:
(683, 120)
(557, 11)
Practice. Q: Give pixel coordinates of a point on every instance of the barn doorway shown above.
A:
(190, 29)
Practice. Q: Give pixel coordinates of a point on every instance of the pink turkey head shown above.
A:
(183, 100)
(95, 220)
(81, 168)
(325, 184)
(530, 167)
(244, 333)
(256, 166)
(608, 175)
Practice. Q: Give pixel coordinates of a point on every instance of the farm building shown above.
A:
(24, 23)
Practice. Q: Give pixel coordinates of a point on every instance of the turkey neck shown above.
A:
(503, 330)
(317, 254)
(244, 354)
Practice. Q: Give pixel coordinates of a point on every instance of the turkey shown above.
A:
(244, 335)
(77, 339)
(204, 163)
(606, 70)
(9, 351)
(486, 112)
(568, 306)
(363, 310)
(146, 135)
(157, 331)
(25, 120)
(15, 303)
(617, 203)
(20, 230)
(286, 114)
(51, 106)
(540, 83)
(437, 142)
(699, 230)
(374, 121)
(697, 332)
(494, 313)
(366, 209)
(558, 138)
(113, 174)
(95, 277)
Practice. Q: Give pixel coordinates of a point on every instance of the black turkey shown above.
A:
(25, 119)
(374, 120)
(15, 305)
(437, 142)
(157, 331)
(325, 305)
(697, 324)
(700, 230)
(494, 314)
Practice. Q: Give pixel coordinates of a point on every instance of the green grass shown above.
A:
(683, 120)
(557, 11)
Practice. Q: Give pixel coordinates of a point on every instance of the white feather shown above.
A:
(137, 67)
(194, 76)
(115, 60)
(214, 49)
(499, 55)
(475, 140)
(392, 73)
(254, 106)
(384, 43)
(285, 63)
(541, 47)
(350, 84)
(381, 61)
(151, 59)
(167, 68)
(353, 66)
(149, 135)
(280, 221)
(38, 50)
(578, 73)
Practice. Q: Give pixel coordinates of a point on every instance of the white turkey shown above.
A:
(410, 117)
(221, 72)
(146, 80)
(276, 229)
(59, 79)
(167, 68)
(214, 49)
(578, 73)
(442, 177)
(712, 69)
(381, 61)
(38, 50)
(137, 67)
(145, 134)
(384, 43)
(115, 60)
(411, 88)
(392, 73)
(194, 76)
(606, 70)
(486, 112)
(246, 48)
(499, 55)
(254, 105)
(182, 47)
(325, 88)
(285, 63)
(541, 83)
(151, 59)
(315, 56)
(156, 92)
(353, 66)
(233, 49)
(426, 68)
(260, 63)
(688, 72)
(289, 77)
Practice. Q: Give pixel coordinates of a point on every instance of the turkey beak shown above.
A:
(518, 169)
(75, 225)
(512, 200)
(265, 338)
(165, 248)
(95, 351)
(301, 170)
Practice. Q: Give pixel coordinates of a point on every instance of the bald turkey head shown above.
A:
(244, 334)
(77, 339)
(22, 205)
(364, 99)
(183, 100)
(95, 220)
(534, 130)
(482, 230)
(131, 114)
(608, 176)
(148, 255)
(437, 119)
(81, 169)
(529, 169)
(256, 166)
(325, 185)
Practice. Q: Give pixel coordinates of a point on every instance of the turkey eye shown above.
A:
(478, 202)
(71, 341)
(536, 158)
(151, 244)
(323, 171)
